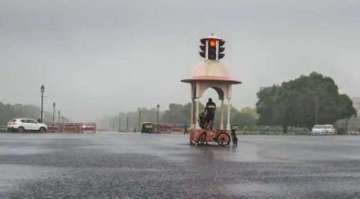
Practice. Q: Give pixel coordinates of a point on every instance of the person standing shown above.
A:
(234, 137)
(210, 113)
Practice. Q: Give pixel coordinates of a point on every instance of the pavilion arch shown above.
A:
(219, 91)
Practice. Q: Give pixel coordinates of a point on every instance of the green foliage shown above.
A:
(177, 114)
(245, 118)
(303, 102)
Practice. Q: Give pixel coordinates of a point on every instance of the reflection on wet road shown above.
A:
(113, 165)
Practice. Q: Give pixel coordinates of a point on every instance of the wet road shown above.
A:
(113, 165)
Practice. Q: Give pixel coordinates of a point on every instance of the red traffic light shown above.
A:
(212, 43)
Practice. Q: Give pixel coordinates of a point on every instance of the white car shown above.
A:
(326, 129)
(26, 124)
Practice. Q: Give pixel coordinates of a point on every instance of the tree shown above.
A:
(245, 118)
(177, 114)
(303, 102)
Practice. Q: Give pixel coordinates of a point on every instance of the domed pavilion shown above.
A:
(211, 74)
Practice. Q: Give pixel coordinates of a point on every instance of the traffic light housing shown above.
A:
(212, 48)
(203, 48)
(221, 48)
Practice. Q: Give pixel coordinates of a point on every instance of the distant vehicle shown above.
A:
(26, 124)
(147, 127)
(326, 129)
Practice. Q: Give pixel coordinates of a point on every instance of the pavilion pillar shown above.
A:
(228, 125)
(222, 115)
(192, 124)
(197, 113)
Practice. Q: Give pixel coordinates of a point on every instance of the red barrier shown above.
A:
(72, 127)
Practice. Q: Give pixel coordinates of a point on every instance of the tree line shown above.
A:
(299, 103)
(303, 102)
(11, 111)
(177, 114)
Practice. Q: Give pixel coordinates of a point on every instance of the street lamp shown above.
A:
(54, 105)
(42, 89)
(119, 122)
(139, 119)
(59, 114)
(157, 116)
(127, 122)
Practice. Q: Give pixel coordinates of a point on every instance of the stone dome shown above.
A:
(210, 70)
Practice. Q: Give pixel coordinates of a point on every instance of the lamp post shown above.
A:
(119, 122)
(139, 119)
(157, 117)
(59, 113)
(42, 89)
(54, 106)
(127, 122)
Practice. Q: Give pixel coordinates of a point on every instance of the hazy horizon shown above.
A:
(99, 58)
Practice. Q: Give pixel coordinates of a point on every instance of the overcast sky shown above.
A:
(97, 58)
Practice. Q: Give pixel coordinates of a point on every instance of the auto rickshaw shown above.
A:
(147, 127)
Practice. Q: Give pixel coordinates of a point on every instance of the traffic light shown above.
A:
(221, 49)
(212, 49)
(203, 48)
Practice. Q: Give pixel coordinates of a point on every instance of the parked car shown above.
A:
(326, 129)
(26, 124)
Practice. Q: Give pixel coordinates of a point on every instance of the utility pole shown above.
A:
(42, 89)
(54, 110)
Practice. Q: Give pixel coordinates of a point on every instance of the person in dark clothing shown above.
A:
(202, 120)
(234, 137)
(210, 113)
(185, 129)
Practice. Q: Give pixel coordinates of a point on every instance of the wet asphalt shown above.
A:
(128, 165)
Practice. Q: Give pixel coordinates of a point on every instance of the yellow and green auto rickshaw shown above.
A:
(147, 127)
